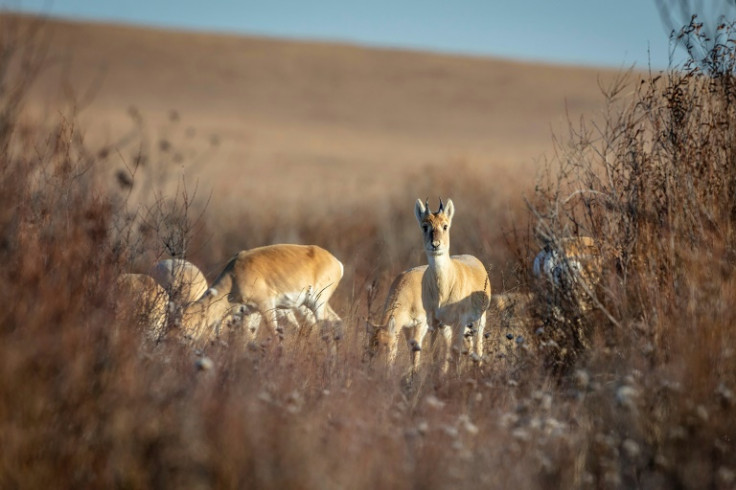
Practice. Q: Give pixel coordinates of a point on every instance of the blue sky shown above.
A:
(609, 33)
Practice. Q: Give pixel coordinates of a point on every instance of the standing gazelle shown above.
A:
(456, 290)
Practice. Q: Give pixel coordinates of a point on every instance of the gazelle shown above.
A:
(568, 271)
(570, 266)
(404, 310)
(264, 280)
(180, 278)
(456, 290)
(141, 299)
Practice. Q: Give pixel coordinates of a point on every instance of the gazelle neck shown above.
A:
(443, 271)
(439, 262)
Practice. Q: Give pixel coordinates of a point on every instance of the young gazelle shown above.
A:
(264, 280)
(456, 290)
(403, 311)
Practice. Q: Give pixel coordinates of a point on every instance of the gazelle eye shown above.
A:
(444, 227)
(425, 228)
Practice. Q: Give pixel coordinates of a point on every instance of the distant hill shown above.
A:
(289, 122)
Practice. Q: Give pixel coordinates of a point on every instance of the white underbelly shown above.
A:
(309, 297)
(293, 300)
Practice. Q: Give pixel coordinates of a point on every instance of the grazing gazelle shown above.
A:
(403, 311)
(183, 280)
(456, 290)
(264, 280)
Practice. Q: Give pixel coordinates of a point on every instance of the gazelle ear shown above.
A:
(392, 325)
(449, 209)
(420, 211)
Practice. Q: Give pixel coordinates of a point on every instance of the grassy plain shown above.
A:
(134, 144)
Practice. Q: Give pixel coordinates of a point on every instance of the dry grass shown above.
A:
(341, 124)
(646, 402)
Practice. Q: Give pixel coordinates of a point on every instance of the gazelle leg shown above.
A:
(479, 326)
(289, 316)
(415, 344)
(330, 322)
(249, 320)
(323, 316)
(459, 348)
(446, 332)
(409, 336)
(271, 317)
(251, 323)
(330, 314)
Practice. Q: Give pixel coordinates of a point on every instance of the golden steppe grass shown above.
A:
(296, 123)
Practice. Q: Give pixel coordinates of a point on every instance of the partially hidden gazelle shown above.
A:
(569, 268)
(403, 312)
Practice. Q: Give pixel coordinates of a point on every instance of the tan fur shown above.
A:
(264, 280)
(455, 289)
(404, 311)
(141, 299)
(570, 264)
(180, 278)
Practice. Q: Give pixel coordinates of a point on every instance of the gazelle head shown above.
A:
(435, 226)
(382, 340)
